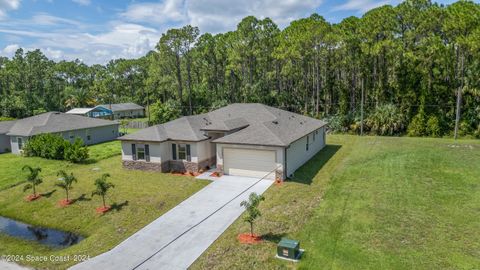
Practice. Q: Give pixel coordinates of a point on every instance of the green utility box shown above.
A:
(288, 249)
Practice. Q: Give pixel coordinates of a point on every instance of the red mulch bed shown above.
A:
(32, 197)
(186, 173)
(64, 202)
(103, 210)
(246, 238)
(215, 174)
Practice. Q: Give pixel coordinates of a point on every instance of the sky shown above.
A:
(96, 31)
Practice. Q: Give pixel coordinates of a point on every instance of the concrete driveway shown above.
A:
(176, 239)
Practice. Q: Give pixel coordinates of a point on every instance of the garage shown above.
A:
(249, 162)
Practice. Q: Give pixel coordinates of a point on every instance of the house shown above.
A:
(96, 112)
(4, 138)
(69, 126)
(125, 110)
(240, 139)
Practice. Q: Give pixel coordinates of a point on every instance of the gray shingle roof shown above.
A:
(55, 122)
(5, 126)
(250, 123)
(187, 128)
(122, 107)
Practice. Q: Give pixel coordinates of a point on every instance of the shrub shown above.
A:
(45, 145)
(386, 120)
(433, 127)
(416, 128)
(164, 112)
(337, 123)
(51, 146)
(76, 152)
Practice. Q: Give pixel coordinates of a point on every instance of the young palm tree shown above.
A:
(102, 187)
(66, 181)
(252, 209)
(33, 179)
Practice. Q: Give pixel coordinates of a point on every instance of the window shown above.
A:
(88, 135)
(313, 136)
(141, 153)
(182, 151)
(20, 143)
(70, 135)
(308, 141)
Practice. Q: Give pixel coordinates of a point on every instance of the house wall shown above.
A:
(161, 156)
(97, 134)
(297, 154)
(129, 114)
(5, 145)
(279, 154)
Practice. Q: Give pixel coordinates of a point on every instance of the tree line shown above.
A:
(413, 68)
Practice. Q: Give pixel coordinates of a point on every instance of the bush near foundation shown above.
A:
(51, 146)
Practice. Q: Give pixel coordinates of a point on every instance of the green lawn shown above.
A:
(11, 165)
(138, 198)
(369, 203)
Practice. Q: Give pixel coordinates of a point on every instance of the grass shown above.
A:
(369, 203)
(138, 198)
(11, 165)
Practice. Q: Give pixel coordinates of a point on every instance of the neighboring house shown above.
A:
(240, 139)
(69, 126)
(125, 110)
(4, 138)
(96, 112)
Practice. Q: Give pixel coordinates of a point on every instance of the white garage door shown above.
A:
(249, 162)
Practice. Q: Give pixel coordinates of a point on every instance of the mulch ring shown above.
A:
(32, 197)
(247, 238)
(64, 202)
(103, 209)
(215, 174)
(186, 173)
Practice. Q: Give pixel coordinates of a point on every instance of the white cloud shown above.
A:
(82, 2)
(6, 5)
(49, 20)
(10, 50)
(140, 26)
(123, 40)
(168, 11)
(362, 6)
(218, 15)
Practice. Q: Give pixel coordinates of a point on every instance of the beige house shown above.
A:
(252, 140)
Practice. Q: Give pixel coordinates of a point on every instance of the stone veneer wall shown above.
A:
(146, 166)
(171, 165)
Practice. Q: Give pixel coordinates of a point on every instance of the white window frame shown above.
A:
(88, 136)
(20, 145)
(308, 142)
(141, 150)
(184, 145)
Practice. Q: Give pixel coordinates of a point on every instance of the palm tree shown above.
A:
(102, 187)
(33, 179)
(66, 181)
(252, 209)
(78, 97)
